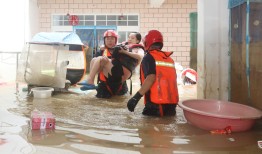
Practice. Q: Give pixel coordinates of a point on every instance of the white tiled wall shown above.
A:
(172, 18)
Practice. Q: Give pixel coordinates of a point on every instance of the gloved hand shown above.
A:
(132, 102)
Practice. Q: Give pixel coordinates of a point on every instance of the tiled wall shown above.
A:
(172, 18)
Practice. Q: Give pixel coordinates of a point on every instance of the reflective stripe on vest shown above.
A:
(165, 64)
(106, 53)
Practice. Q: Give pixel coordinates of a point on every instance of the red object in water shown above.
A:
(217, 115)
(73, 20)
(259, 143)
(190, 73)
(227, 130)
(2, 141)
(42, 120)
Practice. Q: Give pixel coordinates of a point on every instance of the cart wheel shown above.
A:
(29, 87)
(67, 84)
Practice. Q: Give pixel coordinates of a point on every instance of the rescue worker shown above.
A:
(103, 90)
(158, 79)
(115, 71)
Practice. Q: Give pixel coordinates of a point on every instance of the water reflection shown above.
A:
(107, 135)
(99, 149)
(86, 124)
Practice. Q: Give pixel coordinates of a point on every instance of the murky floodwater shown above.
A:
(86, 124)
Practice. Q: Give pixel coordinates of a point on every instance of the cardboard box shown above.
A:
(42, 120)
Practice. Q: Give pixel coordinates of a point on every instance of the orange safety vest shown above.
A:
(164, 89)
(102, 77)
(106, 53)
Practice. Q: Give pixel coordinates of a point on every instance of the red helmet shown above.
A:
(153, 36)
(109, 33)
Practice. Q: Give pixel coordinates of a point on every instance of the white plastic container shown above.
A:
(42, 92)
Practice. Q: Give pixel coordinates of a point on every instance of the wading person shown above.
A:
(158, 79)
(103, 89)
(115, 67)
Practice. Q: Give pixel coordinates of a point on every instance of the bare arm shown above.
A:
(141, 53)
(137, 56)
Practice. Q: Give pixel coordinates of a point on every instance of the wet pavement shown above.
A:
(86, 124)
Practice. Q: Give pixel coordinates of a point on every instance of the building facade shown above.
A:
(171, 17)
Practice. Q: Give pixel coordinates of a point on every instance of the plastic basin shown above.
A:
(215, 114)
(42, 92)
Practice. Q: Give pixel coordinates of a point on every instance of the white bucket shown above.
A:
(42, 92)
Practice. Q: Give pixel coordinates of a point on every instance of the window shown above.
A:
(122, 36)
(60, 20)
(98, 20)
(124, 23)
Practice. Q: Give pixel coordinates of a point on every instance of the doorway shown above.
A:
(92, 37)
(193, 40)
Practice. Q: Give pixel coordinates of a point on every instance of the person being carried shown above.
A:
(133, 43)
(115, 70)
(158, 79)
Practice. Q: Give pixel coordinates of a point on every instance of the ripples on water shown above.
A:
(86, 124)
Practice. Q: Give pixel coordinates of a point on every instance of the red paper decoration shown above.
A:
(73, 20)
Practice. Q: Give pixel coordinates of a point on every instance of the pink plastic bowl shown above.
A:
(215, 114)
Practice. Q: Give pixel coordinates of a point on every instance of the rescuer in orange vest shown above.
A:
(158, 79)
(103, 89)
(113, 71)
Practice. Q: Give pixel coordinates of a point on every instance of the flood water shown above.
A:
(86, 124)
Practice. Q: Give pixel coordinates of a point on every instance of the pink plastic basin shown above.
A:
(215, 114)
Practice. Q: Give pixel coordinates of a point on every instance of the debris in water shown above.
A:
(227, 130)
